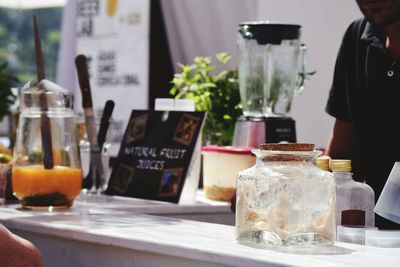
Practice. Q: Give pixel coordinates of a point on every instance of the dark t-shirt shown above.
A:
(366, 92)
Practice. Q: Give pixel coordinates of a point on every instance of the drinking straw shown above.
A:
(44, 119)
(105, 122)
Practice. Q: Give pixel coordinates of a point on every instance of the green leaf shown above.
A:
(221, 75)
(223, 57)
(227, 117)
(207, 85)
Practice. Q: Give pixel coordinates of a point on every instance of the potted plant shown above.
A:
(7, 100)
(7, 97)
(214, 91)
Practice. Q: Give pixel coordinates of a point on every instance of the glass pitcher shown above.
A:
(271, 67)
(285, 200)
(46, 177)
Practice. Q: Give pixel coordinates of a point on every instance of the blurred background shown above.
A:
(178, 31)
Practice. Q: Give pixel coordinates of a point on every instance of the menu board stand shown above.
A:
(159, 157)
(191, 184)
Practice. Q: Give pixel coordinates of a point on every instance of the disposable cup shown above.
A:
(352, 234)
(388, 205)
(383, 238)
(221, 165)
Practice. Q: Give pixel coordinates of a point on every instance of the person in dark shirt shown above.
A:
(365, 96)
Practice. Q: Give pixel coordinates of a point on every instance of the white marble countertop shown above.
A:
(213, 243)
(202, 205)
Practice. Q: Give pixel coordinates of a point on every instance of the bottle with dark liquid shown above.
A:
(354, 200)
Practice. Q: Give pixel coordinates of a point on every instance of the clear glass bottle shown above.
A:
(285, 199)
(84, 153)
(354, 200)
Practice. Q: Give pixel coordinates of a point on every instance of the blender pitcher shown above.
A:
(271, 68)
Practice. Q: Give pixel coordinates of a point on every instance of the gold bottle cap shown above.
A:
(323, 163)
(341, 165)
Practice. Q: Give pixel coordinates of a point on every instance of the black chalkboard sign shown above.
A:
(155, 154)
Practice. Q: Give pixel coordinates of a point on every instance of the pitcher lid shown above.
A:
(57, 96)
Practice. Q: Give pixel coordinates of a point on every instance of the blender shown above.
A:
(271, 71)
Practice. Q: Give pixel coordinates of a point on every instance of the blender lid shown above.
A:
(266, 32)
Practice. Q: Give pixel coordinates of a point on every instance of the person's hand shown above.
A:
(16, 251)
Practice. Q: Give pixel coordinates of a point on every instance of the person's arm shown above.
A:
(343, 141)
(343, 144)
(16, 251)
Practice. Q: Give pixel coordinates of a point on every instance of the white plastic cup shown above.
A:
(352, 234)
(383, 238)
(221, 165)
(388, 205)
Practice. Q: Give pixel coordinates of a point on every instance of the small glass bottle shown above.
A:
(354, 200)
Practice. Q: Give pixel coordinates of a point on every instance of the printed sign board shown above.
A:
(156, 153)
(114, 36)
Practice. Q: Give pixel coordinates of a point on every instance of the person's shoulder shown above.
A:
(361, 22)
(356, 28)
(354, 32)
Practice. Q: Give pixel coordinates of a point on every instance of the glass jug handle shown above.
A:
(303, 74)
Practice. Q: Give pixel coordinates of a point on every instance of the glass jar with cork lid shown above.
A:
(285, 200)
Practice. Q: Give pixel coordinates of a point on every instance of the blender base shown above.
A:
(252, 131)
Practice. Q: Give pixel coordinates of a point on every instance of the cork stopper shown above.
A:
(287, 147)
(341, 165)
